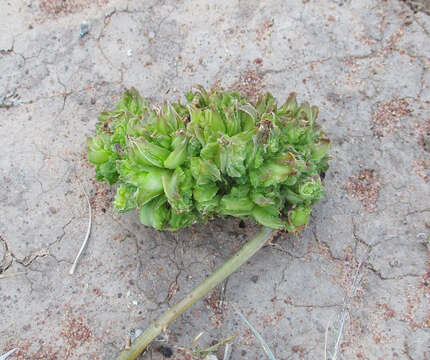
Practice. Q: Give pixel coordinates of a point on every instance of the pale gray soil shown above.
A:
(366, 64)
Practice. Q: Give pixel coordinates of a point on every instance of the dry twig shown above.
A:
(6, 355)
(87, 236)
(263, 343)
(346, 307)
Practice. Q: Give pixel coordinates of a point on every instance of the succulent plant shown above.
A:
(216, 155)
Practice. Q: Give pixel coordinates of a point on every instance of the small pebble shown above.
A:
(84, 29)
(136, 333)
(211, 357)
(151, 35)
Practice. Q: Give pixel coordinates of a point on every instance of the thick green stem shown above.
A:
(209, 283)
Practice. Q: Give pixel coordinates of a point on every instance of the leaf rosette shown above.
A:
(216, 155)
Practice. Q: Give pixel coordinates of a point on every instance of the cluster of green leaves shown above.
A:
(216, 155)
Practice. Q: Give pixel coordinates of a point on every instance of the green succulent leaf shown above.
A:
(98, 149)
(178, 221)
(144, 152)
(150, 185)
(107, 171)
(125, 199)
(177, 188)
(320, 149)
(203, 193)
(132, 101)
(155, 213)
(237, 203)
(265, 217)
(299, 216)
(178, 156)
(204, 171)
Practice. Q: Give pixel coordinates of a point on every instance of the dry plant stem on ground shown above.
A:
(159, 325)
(87, 236)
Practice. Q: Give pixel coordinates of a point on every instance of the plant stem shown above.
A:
(220, 274)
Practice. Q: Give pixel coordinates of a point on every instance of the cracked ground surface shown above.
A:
(363, 264)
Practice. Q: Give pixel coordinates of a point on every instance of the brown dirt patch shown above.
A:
(388, 115)
(424, 135)
(65, 7)
(250, 83)
(76, 332)
(422, 169)
(365, 187)
(45, 352)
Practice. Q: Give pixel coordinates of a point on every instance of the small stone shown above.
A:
(254, 279)
(136, 334)
(129, 52)
(211, 357)
(52, 210)
(84, 29)
(151, 35)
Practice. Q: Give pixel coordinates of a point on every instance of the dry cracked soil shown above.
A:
(362, 267)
